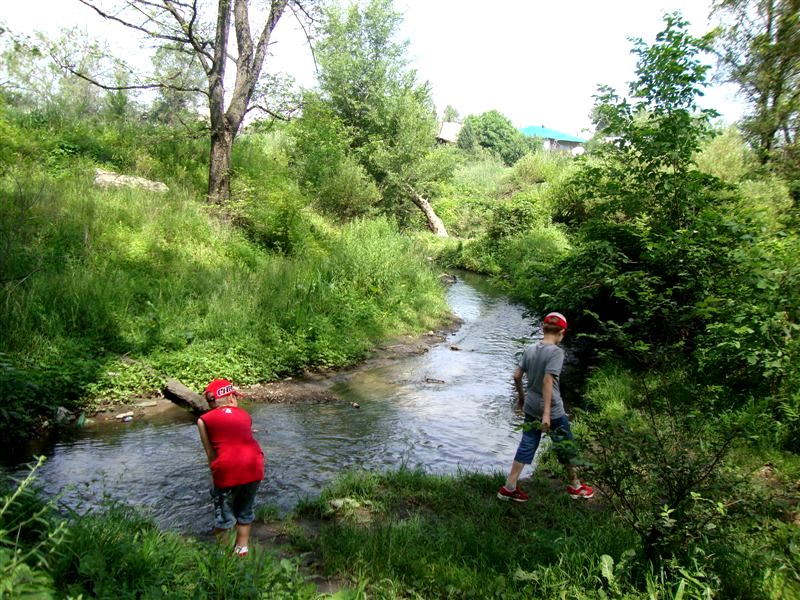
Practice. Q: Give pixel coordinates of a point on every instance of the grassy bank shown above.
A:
(108, 293)
(120, 553)
(412, 535)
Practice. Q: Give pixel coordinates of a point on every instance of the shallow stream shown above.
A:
(446, 410)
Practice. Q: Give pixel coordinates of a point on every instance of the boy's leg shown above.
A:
(244, 509)
(564, 444)
(223, 512)
(531, 436)
(513, 475)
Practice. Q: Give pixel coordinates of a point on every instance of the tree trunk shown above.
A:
(435, 224)
(219, 167)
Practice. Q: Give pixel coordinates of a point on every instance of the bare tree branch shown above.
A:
(295, 7)
(140, 28)
(142, 86)
(200, 46)
(270, 112)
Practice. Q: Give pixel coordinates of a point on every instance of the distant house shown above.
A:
(448, 132)
(555, 141)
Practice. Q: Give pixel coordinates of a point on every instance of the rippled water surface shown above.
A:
(467, 422)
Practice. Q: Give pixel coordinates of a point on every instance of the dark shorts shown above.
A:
(234, 505)
(560, 434)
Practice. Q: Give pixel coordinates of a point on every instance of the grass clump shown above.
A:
(120, 553)
(412, 534)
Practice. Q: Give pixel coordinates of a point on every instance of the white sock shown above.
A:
(510, 486)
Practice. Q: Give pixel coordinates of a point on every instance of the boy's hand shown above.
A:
(545, 424)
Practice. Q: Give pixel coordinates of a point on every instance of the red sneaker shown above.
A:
(582, 491)
(517, 495)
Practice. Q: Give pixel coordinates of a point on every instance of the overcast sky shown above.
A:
(537, 62)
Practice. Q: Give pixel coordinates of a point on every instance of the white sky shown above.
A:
(537, 62)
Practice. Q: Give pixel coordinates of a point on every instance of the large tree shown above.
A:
(495, 132)
(366, 81)
(760, 52)
(202, 31)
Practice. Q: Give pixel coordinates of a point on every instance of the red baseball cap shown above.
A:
(221, 388)
(557, 319)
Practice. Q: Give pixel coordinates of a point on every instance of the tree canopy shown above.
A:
(390, 120)
(494, 132)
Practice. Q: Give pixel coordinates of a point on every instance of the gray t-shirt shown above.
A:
(537, 360)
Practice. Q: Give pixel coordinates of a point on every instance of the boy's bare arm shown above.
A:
(547, 396)
(518, 384)
(201, 427)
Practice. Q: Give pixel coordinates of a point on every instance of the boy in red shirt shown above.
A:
(235, 458)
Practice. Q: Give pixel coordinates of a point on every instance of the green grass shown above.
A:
(119, 553)
(109, 293)
(411, 534)
(408, 534)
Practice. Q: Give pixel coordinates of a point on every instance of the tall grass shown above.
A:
(105, 293)
(120, 553)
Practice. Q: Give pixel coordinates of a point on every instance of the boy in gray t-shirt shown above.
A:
(544, 410)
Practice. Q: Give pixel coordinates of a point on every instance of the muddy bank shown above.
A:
(311, 386)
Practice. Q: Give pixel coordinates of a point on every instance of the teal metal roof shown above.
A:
(550, 134)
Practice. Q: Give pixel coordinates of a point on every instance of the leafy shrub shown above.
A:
(726, 156)
(512, 217)
(659, 455)
(29, 537)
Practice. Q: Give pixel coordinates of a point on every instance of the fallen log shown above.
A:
(183, 396)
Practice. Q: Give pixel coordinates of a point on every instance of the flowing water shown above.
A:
(447, 410)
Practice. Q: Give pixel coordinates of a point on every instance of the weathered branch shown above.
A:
(188, 30)
(270, 112)
(435, 224)
(141, 86)
(149, 32)
(294, 7)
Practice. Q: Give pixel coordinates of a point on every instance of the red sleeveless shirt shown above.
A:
(239, 458)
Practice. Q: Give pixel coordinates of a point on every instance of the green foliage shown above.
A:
(89, 276)
(172, 107)
(119, 552)
(658, 457)
(726, 157)
(321, 155)
(29, 537)
(388, 119)
(536, 168)
(494, 132)
(662, 247)
(465, 202)
(526, 259)
(408, 533)
(759, 50)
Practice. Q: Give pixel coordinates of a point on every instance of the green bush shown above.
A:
(29, 538)
(660, 455)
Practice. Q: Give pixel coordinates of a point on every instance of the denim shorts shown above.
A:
(234, 505)
(560, 434)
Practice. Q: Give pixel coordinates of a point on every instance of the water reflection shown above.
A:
(407, 417)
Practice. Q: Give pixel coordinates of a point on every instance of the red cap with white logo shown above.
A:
(557, 319)
(221, 388)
